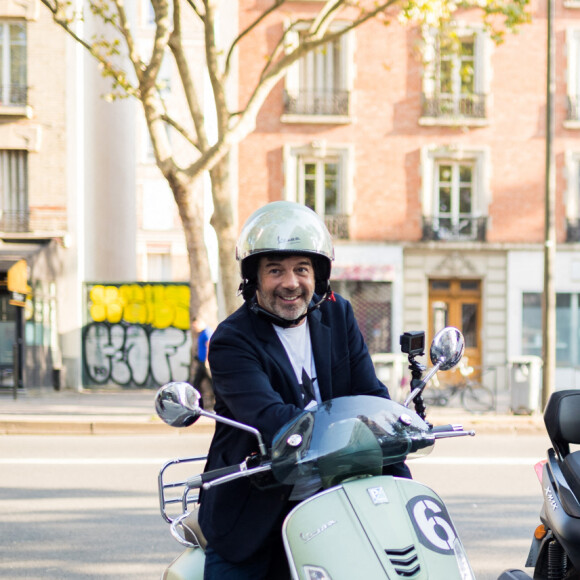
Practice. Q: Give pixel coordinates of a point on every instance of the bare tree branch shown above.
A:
(212, 63)
(189, 88)
(247, 31)
(166, 118)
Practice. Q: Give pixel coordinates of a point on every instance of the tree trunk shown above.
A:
(203, 301)
(224, 221)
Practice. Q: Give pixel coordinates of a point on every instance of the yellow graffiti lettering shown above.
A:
(106, 304)
(159, 305)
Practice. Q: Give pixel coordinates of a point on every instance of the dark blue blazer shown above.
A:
(255, 384)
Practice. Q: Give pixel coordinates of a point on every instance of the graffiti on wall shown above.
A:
(136, 334)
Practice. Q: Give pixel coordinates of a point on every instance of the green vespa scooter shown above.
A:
(353, 522)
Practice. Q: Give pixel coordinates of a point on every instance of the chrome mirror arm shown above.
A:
(178, 405)
(241, 426)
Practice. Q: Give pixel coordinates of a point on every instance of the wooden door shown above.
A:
(454, 302)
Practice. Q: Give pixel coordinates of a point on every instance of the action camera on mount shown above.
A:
(413, 343)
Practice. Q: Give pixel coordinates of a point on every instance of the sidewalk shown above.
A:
(89, 412)
(132, 411)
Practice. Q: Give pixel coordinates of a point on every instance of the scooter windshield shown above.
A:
(347, 437)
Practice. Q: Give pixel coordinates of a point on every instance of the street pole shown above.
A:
(549, 295)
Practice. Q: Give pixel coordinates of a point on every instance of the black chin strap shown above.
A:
(282, 322)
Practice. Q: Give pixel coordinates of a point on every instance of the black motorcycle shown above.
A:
(555, 550)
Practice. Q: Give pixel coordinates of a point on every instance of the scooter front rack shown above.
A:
(176, 490)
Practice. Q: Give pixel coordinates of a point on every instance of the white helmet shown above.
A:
(284, 227)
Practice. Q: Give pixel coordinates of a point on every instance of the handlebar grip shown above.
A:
(198, 480)
(446, 428)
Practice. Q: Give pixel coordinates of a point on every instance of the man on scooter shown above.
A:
(292, 344)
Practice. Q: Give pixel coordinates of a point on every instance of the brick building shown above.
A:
(33, 186)
(430, 172)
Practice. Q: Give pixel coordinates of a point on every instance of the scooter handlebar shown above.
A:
(197, 481)
(445, 431)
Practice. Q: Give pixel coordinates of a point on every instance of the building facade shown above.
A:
(427, 160)
(34, 189)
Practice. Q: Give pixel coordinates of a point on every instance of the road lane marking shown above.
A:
(504, 461)
(82, 461)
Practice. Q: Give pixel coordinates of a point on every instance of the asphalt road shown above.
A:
(86, 507)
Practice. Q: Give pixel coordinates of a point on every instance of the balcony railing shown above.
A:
(444, 106)
(13, 95)
(14, 221)
(316, 103)
(464, 228)
(337, 226)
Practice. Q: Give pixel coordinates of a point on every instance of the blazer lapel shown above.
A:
(272, 345)
(321, 348)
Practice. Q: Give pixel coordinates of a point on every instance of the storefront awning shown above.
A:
(12, 252)
(368, 272)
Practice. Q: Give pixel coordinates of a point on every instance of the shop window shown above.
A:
(567, 327)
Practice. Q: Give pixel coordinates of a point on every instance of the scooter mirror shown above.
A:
(177, 404)
(447, 348)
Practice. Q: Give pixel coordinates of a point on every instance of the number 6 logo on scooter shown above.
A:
(432, 524)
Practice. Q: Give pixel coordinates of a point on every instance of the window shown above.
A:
(454, 80)
(158, 205)
(319, 179)
(454, 199)
(13, 87)
(319, 83)
(573, 77)
(372, 305)
(14, 211)
(572, 196)
(319, 185)
(158, 266)
(455, 194)
(567, 327)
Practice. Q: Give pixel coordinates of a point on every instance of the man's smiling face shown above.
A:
(285, 285)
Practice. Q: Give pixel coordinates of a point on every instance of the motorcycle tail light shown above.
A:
(539, 467)
(540, 532)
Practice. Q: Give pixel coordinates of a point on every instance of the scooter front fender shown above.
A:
(374, 527)
(188, 565)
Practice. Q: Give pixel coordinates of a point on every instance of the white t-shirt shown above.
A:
(296, 342)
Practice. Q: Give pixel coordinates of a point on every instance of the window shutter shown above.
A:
(480, 81)
(429, 58)
(293, 72)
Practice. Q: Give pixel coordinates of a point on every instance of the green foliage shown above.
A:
(498, 16)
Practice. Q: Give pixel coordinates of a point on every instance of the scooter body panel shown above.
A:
(374, 527)
(564, 527)
(188, 565)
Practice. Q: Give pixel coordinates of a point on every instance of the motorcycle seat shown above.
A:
(561, 420)
(571, 471)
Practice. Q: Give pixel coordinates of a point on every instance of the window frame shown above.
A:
(6, 85)
(431, 157)
(572, 195)
(481, 72)
(14, 204)
(343, 155)
(294, 79)
(572, 120)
